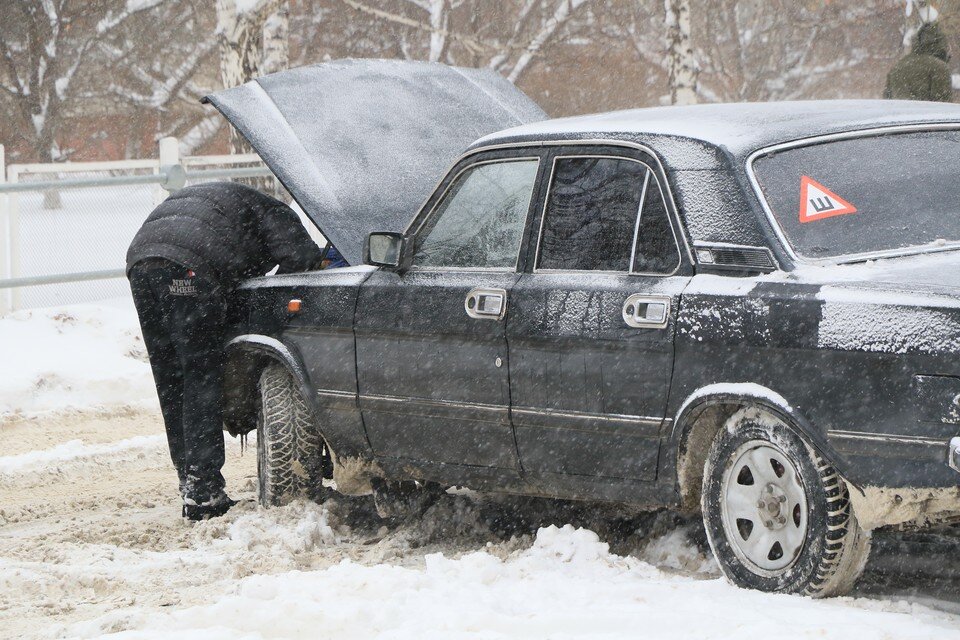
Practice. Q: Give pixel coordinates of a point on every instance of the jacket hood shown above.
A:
(930, 41)
(360, 144)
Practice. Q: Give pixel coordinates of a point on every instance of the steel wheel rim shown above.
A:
(764, 508)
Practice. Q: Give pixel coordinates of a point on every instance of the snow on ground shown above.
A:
(91, 543)
(566, 584)
(76, 452)
(73, 357)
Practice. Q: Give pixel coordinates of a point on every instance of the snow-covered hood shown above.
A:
(360, 144)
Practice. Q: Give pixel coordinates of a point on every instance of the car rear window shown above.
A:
(855, 197)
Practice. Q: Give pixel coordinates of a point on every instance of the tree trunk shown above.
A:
(241, 52)
(438, 28)
(253, 42)
(683, 64)
(45, 148)
(916, 14)
(276, 40)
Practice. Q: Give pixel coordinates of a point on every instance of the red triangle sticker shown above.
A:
(818, 202)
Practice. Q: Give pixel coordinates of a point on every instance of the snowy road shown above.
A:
(90, 544)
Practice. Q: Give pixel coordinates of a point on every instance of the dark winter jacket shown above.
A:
(922, 74)
(225, 231)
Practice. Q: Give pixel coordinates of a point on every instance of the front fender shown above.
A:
(270, 348)
(247, 355)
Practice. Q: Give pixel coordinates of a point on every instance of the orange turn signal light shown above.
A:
(294, 306)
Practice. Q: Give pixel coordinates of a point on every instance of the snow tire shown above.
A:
(834, 547)
(292, 458)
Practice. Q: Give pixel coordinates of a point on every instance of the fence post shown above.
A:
(15, 236)
(4, 236)
(169, 155)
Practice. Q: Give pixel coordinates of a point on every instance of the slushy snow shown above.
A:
(75, 451)
(566, 585)
(92, 545)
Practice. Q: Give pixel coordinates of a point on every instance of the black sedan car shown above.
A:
(750, 310)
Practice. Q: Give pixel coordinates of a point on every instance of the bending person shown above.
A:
(183, 264)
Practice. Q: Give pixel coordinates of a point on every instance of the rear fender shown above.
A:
(692, 436)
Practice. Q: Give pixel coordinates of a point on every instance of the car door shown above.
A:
(591, 322)
(432, 356)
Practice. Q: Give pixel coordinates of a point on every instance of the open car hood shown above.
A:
(360, 144)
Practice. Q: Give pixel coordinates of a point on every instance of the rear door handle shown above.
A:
(647, 312)
(486, 304)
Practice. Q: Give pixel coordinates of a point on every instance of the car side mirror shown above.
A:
(385, 249)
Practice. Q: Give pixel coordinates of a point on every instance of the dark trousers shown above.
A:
(182, 318)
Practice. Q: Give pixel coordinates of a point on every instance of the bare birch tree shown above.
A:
(276, 40)
(761, 49)
(508, 36)
(242, 27)
(681, 60)
(46, 45)
(53, 56)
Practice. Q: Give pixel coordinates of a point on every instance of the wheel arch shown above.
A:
(704, 412)
(247, 356)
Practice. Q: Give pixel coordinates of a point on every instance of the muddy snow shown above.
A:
(92, 545)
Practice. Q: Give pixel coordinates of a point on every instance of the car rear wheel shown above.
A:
(292, 459)
(778, 516)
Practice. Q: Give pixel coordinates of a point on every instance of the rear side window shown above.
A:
(656, 247)
(606, 214)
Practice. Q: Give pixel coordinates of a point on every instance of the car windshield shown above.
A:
(895, 193)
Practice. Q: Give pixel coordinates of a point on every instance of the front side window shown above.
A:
(606, 214)
(479, 222)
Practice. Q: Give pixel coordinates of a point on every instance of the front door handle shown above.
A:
(647, 312)
(486, 304)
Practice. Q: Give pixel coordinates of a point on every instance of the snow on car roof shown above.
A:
(739, 128)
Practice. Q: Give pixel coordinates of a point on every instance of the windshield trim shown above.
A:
(799, 258)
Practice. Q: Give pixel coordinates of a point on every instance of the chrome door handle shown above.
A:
(486, 304)
(646, 312)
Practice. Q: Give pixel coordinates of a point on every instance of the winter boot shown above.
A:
(213, 508)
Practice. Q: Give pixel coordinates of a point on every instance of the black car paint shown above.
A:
(747, 338)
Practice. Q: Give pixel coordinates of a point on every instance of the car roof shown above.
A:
(737, 128)
(719, 138)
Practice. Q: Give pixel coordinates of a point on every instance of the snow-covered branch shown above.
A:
(440, 31)
(114, 19)
(561, 14)
(164, 85)
(54, 52)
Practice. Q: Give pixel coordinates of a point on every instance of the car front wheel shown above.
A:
(292, 459)
(778, 516)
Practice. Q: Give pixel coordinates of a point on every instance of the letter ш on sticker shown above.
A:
(818, 202)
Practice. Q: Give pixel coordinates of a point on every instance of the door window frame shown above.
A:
(439, 195)
(651, 174)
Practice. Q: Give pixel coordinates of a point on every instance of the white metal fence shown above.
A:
(65, 227)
